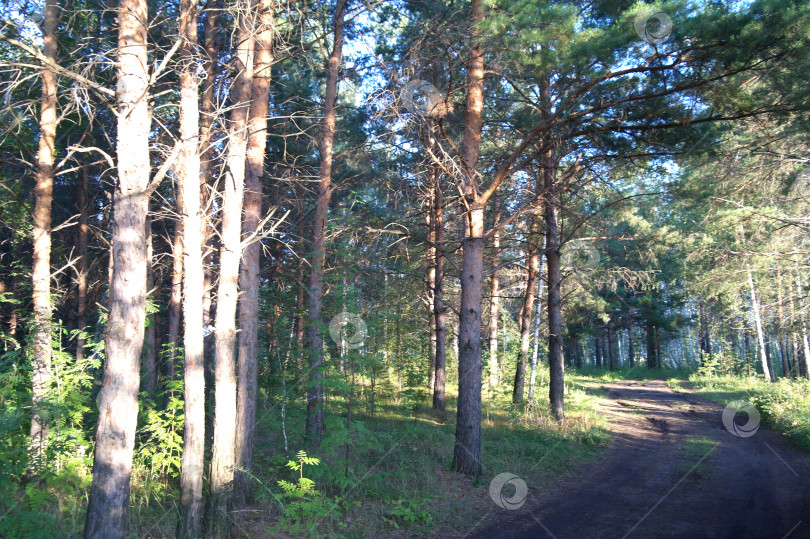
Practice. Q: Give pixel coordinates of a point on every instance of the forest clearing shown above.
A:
(406, 268)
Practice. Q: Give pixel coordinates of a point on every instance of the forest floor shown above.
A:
(673, 470)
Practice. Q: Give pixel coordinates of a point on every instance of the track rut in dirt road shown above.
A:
(673, 470)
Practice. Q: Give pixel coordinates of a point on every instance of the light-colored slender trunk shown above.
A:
(495, 296)
(315, 419)
(760, 334)
(249, 278)
(223, 454)
(189, 193)
(532, 273)
(805, 338)
(118, 398)
(41, 270)
(176, 294)
(538, 311)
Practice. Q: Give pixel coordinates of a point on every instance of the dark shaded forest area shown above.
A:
(300, 268)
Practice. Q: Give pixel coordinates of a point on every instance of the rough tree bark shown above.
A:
(314, 425)
(189, 192)
(249, 278)
(118, 398)
(41, 270)
(611, 345)
(223, 454)
(495, 296)
(467, 448)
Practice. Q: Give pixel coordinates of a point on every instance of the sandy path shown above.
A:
(650, 485)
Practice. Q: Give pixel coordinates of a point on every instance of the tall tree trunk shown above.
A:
(249, 278)
(805, 338)
(532, 271)
(189, 192)
(118, 398)
(223, 454)
(631, 358)
(176, 294)
(611, 346)
(537, 312)
(314, 425)
(467, 448)
(495, 296)
(784, 348)
(555, 359)
(651, 345)
(766, 368)
(430, 277)
(41, 270)
(83, 265)
(439, 310)
(149, 369)
(597, 345)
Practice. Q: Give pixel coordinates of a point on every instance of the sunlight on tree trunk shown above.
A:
(249, 277)
(41, 271)
(223, 453)
(118, 399)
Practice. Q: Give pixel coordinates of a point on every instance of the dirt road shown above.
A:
(674, 470)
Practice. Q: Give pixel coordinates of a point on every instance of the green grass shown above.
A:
(635, 373)
(396, 474)
(783, 405)
(695, 452)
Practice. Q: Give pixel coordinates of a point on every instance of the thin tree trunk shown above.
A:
(766, 368)
(315, 420)
(439, 310)
(651, 345)
(611, 348)
(223, 454)
(249, 278)
(176, 295)
(805, 338)
(430, 278)
(189, 192)
(83, 265)
(597, 345)
(555, 359)
(41, 270)
(118, 398)
(532, 272)
(149, 369)
(537, 313)
(630, 352)
(495, 296)
(467, 448)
